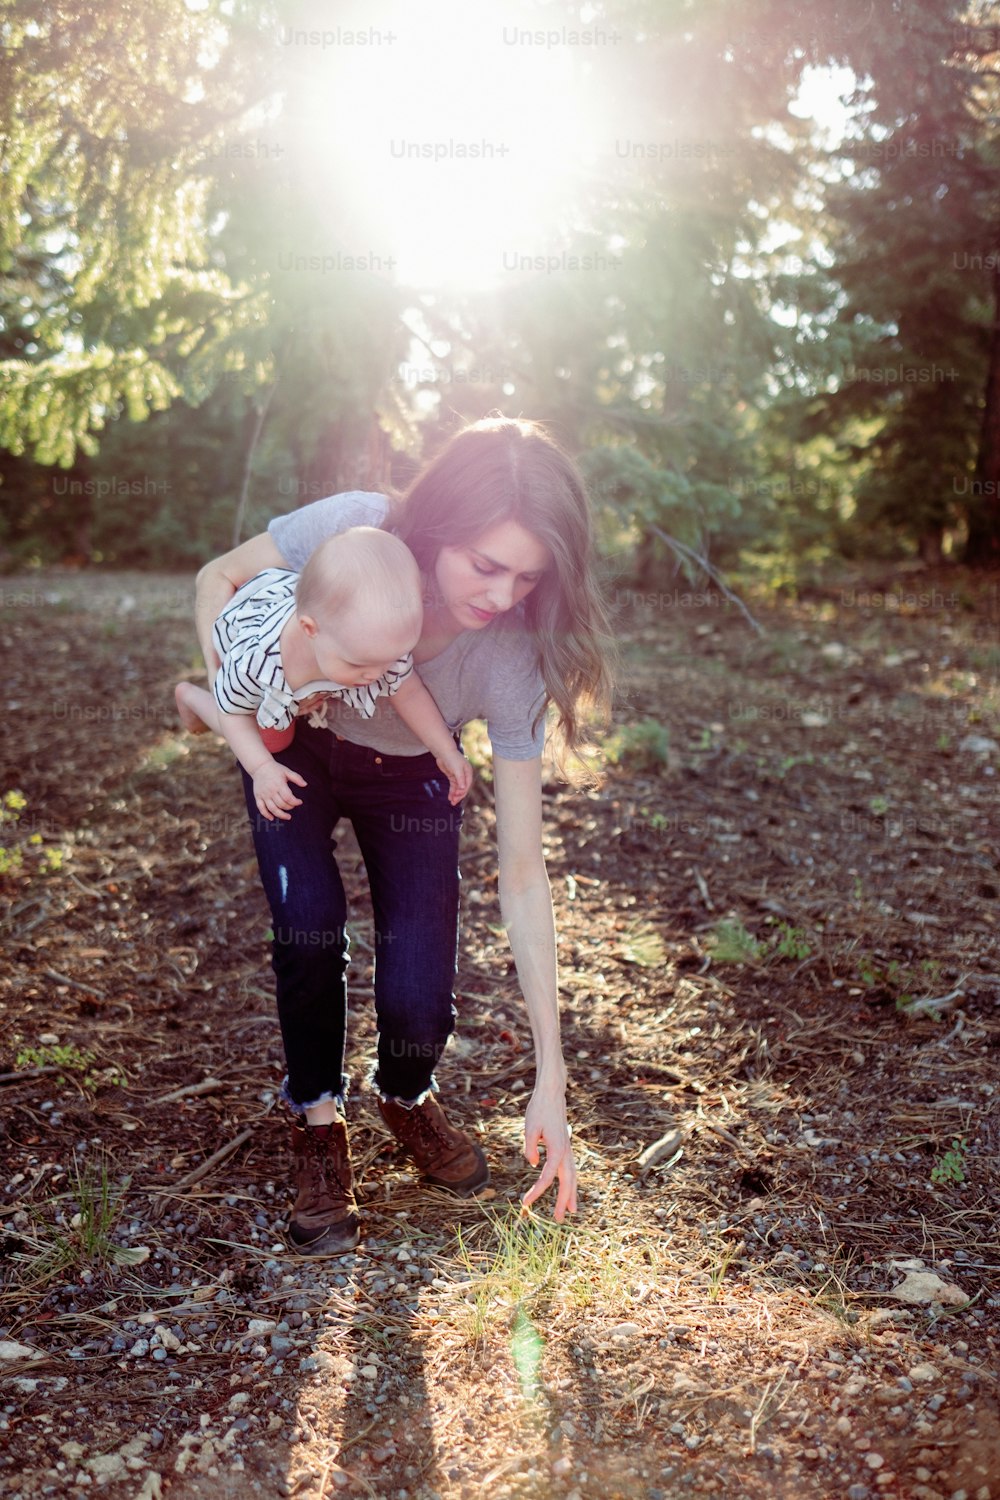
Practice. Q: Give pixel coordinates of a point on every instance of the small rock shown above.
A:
(874, 1460)
(140, 1348)
(12, 1352)
(107, 1466)
(258, 1326)
(167, 1339)
(924, 1373)
(923, 1288)
(624, 1331)
(978, 744)
(561, 1467)
(321, 1360)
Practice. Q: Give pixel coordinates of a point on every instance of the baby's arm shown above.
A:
(271, 779)
(420, 713)
(271, 789)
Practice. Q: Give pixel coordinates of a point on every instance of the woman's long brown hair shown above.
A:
(500, 470)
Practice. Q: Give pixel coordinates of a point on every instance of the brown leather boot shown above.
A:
(447, 1157)
(324, 1218)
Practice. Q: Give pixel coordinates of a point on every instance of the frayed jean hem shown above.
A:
(409, 1103)
(327, 1097)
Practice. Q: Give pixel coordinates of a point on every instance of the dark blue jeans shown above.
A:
(408, 836)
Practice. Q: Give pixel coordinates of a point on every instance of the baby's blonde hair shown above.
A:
(362, 569)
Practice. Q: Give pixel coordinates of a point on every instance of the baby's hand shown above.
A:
(459, 774)
(272, 792)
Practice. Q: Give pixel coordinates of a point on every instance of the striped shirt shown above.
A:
(251, 680)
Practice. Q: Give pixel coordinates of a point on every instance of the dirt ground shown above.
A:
(778, 938)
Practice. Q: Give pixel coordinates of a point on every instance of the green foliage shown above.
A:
(106, 118)
(790, 942)
(949, 1168)
(24, 854)
(913, 185)
(644, 746)
(723, 370)
(83, 1240)
(730, 942)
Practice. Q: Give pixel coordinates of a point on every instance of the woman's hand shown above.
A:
(545, 1123)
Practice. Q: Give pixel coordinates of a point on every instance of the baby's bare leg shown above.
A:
(197, 708)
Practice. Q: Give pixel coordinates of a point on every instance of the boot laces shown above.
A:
(428, 1128)
(324, 1166)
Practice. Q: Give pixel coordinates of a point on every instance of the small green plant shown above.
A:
(879, 806)
(722, 1259)
(24, 854)
(73, 1063)
(950, 1165)
(644, 947)
(68, 1058)
(530, 1266)
(791, 942)
(731, 943)
(901, 980)
(638, 747)
(85, 1241)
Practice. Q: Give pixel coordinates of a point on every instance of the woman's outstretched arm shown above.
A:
(218, 581)
(526, 907)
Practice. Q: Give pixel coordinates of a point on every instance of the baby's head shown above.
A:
(359, 601)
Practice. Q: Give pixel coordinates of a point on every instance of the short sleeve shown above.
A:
(515, 692)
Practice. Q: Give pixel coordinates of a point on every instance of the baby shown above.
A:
(342, 628)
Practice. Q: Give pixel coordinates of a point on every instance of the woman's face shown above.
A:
(482, 579)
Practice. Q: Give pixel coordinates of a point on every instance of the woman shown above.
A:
(500, 527)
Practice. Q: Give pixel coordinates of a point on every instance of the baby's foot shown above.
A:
(192, 723)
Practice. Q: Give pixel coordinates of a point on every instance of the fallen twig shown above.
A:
(668, 1145)
(76, 984)
(703, 888)
(196, 1176)
(24, 1073)
(207, 1086)
(688, 554)
(919, 1007)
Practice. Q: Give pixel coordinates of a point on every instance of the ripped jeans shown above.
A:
(408, 836)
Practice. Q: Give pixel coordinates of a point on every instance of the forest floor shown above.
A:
(778, 959)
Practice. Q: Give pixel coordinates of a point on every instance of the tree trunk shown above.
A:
(983, 546)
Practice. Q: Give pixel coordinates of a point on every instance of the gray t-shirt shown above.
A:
(490, 674)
